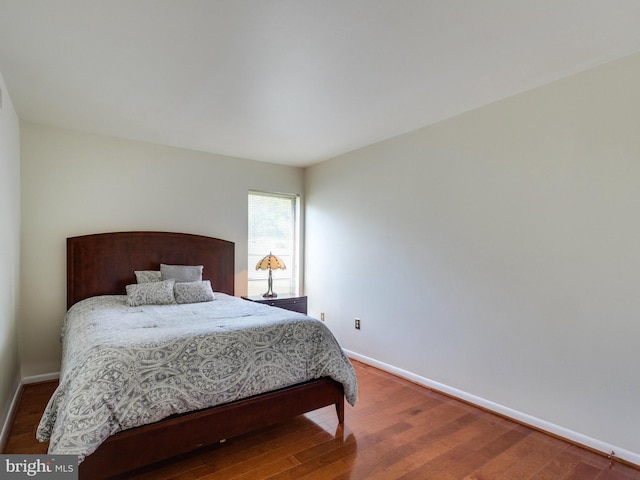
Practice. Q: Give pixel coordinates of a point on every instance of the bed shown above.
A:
(99, 268)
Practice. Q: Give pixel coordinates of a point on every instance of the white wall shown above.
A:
(9, 253)
(75, 184)
(498, 253)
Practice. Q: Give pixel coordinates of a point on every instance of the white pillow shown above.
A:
(193, 292)
(181, 273)
(147, 276)
(151, 293)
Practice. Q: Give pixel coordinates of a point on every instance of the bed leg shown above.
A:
(340, 410)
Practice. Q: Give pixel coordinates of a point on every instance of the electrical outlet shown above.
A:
(322, 316)
(357, 324)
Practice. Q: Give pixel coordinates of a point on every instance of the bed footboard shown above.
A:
(142, 446)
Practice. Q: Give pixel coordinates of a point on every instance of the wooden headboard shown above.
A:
(103, 263)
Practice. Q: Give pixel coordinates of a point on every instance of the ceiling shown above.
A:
(291, 81)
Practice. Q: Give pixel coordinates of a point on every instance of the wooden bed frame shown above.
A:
(103, 264)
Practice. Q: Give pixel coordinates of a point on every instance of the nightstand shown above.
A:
(295, 304)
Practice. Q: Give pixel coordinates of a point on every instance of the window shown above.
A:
(273, 228)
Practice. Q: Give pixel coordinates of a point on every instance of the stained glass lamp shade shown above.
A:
(270, 262)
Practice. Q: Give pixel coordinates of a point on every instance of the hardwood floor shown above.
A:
(398, 430)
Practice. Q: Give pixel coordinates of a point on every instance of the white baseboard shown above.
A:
(17, 389)
(47, 377)
(6, 427)
(538, 423)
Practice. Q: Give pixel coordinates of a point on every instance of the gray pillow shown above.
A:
(181, 273)
(193, 292)
(147, 276)
(151, 293)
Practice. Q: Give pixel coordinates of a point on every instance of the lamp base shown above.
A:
(270, 293)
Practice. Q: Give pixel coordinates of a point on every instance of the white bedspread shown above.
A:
(124, 366)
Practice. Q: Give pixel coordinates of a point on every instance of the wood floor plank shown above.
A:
(398, 430)
(445, 464)
(498, 465)
(614, 474)
(583, 471)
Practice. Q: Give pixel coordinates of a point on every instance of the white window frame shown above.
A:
(257, 279)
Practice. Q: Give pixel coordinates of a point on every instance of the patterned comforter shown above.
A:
(124, 366)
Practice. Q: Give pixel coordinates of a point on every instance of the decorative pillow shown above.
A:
(151, 293)
(181, 273)
(193, 292)
(147, 276)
